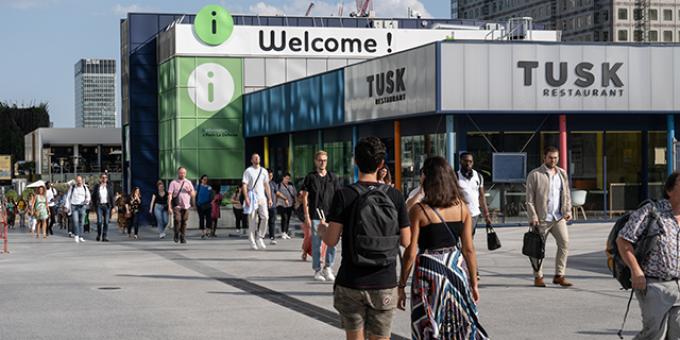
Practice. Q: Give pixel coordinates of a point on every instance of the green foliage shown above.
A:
(16, 122)
(11, 194)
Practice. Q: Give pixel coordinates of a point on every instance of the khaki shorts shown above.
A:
(372, 310)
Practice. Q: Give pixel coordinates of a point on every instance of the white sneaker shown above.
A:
(77, 239)
(253, 246)
(285, 236)
(70, 234)
(273, 242)
(162, 236)
(318, 276)
(260, 244)
(328, 274)
(82, 240)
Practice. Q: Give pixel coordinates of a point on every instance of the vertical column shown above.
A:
(75, 162)
(563, 143)
(397, 155)
(291, 154)
(670, 141)
(99, 158)
(355, 140)
(450, 140)
(319, 139)
(265, 155)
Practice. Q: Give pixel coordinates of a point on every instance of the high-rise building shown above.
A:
(95, 85)
(586, 20)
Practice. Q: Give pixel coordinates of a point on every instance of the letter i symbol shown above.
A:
(214, 22)
(211, 88)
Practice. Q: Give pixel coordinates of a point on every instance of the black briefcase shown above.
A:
(492, 240)
(534, 244)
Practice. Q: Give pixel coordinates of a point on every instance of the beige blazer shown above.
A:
(538, 186)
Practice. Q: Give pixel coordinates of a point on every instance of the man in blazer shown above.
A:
(103, 203)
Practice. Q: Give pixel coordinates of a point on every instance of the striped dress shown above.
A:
(442, 306)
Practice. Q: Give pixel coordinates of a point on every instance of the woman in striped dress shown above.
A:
(444, 291)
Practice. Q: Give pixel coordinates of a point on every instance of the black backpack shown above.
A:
(643, 246)
(373, 228)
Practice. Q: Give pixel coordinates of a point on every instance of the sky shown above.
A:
(41, 40)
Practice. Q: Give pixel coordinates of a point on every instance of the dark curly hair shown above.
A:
(369, 153)
(440, 184)
(670, 184)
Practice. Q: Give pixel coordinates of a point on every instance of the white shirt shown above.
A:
(470, 188)
(49, 195)
(249, 178)
(554, 198)
(103, 194)
(79, 195)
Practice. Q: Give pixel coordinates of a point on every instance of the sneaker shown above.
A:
(70, 234)
(328, 274)
(318, 276)
(253, 246)
(285, 236)
(260, 244)
(162, 236)
(82, 239)
(273, 242)
(77, 239)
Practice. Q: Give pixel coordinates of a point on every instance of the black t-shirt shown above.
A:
(321, 190)
(359, 277)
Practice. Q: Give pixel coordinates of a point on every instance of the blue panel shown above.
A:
(138, 58)
(275, 21)
(332, 98)
(143, 27)
(143, 102)
(143, 72)
(164, 21)
(279, 119)
(145, 128)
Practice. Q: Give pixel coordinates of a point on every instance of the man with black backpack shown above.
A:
(373, 220)
(654, 272)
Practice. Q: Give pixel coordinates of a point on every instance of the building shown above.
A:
(62, 153)
(610, 109)
(95, 89)
(586, 20)
(182, 94)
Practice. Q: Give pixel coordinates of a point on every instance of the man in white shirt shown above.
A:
(50, 195)
(257, 201)
(102, 201)
(472, 187)
(77, 200)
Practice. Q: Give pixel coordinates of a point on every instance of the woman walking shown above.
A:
(159, 208)
(286, 193)
(40, 212)
(135, 205)
(123, 212)
(215, 213)
(237, 205)
(10, 211)
(444, 290)
(204, 195)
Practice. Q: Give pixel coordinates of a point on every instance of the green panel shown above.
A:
(216, 133)
(185, 106)
(222, 163)
(189, 159)
(172, 69)
(187, 133)
(162, 106)
(163, 77)
(162, 164)
(183, 67)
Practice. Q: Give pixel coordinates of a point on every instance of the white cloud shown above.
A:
(383, 8)
(132, 8)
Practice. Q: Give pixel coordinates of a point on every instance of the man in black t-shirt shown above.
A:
(317, 194)
(365, 297)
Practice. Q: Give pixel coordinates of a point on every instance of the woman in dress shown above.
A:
(40, 212)
(215, 214)
(444, 289)
(135, 204)
(123, 212)
(159, 208)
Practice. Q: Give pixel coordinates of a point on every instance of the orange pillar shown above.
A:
(563, 143)
(397, 155)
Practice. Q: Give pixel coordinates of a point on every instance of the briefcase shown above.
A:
(492, 240)
(534, 244)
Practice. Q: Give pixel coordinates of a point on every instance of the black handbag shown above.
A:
(534, 247)
(492, 240)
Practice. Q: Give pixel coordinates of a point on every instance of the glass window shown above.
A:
(623, 14)
(667, 14)
(653, 14)
(623, 35)
(667, 36)
(653, 35)
(605, 16)
(637, 14)
(637, 35)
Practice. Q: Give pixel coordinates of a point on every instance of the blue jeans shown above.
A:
(316, 250)
(161, 213)
(103, 218)
(77, 219)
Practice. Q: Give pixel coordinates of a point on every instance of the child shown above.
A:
(215, 210)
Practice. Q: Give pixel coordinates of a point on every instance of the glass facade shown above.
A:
(95, 93)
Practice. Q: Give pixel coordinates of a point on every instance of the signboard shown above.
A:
(391, 86)
(509, 167)
(559, 77)
(5, 167)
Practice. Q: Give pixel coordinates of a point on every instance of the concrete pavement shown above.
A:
(220, 289)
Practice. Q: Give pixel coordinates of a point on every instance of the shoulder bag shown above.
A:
(492, 240)
(175, 198)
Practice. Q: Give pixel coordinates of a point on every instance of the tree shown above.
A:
(16, 122)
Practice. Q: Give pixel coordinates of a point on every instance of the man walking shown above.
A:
(274, 190)
(317, 191)
(77, 200)
(257, 202)
(51, 195)
(102, 200)
(181, 193)
(549, 209)
(365, 295)
(472, 188)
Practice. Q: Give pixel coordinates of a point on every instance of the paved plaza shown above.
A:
(220, 289)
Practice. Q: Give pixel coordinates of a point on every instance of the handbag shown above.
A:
(534, 247)
(175, 198)
(492, 240)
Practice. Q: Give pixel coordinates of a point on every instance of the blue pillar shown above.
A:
(355, 140)
(670, 139)
(450, 140)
